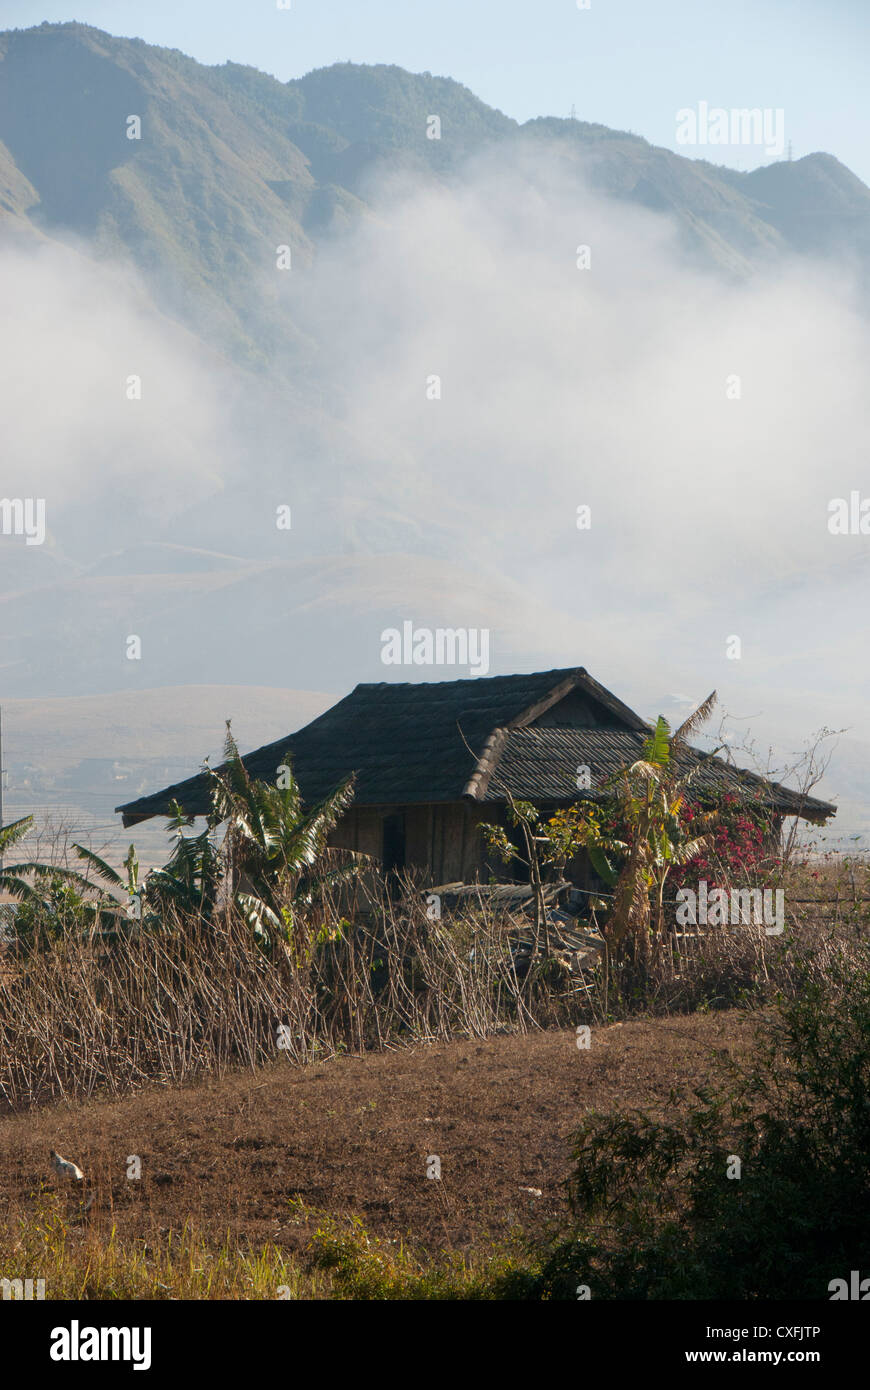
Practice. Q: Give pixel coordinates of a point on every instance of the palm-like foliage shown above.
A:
(274, 854)
(272, 858)
(650, 795)
(115, 914)
(12, 876)
(190, 880)
(109, 875)
(51, 897)
(648, 798)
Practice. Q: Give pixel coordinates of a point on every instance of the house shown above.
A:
(434, 760)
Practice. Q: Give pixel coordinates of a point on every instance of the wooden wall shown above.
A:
(443, 842)
(442, 839)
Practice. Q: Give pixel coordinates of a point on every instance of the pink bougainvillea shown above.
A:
(737, 849)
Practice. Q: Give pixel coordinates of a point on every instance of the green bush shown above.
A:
(655, 1212)
(53, 908)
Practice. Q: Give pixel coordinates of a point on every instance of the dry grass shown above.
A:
(344, 1261)
(174, 1005)
(171, 1006)
(278, 1172)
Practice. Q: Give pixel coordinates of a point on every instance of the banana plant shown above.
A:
(135, 908)
(274, 852)
(190, 880)
(11, 876)
(51, 898)
(650, 794)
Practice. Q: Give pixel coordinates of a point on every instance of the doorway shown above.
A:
(393, 843)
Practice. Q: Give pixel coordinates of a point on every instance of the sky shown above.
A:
(628, 64)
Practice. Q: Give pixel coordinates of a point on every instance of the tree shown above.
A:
(50, 897)
(190, 880)
(525, 817)
(134, 910)
(274, 853)
(11, 880)
(649, 797)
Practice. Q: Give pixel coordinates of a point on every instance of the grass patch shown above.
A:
(344, 1261)
(78, 1264)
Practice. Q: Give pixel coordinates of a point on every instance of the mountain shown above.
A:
(232, 164)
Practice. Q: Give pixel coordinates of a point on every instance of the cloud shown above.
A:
(606, 386)
(609, 386)
(75, 331)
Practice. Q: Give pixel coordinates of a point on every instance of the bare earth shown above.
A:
(353, 1135)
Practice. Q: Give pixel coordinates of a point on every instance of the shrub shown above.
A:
(656, 1214)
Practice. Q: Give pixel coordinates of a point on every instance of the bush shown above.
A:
(55, 909)
(656, 1214)
(361, 1266)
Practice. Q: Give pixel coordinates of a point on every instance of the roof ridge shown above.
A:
(563, 671)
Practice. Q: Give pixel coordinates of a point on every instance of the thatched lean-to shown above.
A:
(433, 760)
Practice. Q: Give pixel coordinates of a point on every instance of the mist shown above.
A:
(706, 422)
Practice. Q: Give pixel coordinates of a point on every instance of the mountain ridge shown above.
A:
(234, 163)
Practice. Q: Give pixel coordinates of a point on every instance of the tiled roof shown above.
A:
(440, 741)
(542, 764)
(406, 742)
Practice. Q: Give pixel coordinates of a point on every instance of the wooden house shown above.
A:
(434, 760)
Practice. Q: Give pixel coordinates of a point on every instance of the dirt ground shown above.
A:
(354, 1134)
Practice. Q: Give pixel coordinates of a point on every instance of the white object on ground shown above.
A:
(64, 1168)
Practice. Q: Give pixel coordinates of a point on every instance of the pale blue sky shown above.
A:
(630, 64)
